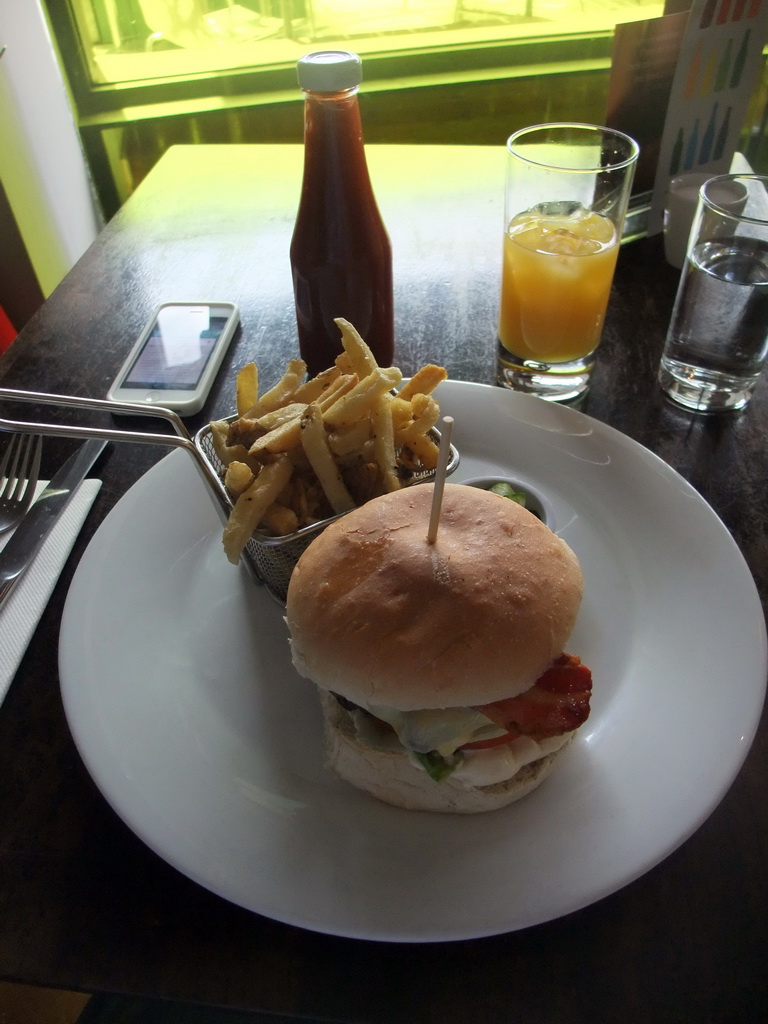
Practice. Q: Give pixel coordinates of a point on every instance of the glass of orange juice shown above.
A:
(567, 191)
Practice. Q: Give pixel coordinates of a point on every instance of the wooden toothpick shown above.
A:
(440, 474)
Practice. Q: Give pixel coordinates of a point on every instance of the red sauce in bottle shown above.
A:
(341, 257)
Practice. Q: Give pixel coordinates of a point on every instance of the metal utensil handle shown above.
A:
(96, 404)
(179, 439)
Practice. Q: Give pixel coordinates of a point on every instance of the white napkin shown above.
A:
(21, 612)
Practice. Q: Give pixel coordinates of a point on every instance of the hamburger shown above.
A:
(440, 666)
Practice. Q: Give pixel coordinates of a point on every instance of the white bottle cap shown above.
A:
(329, 71)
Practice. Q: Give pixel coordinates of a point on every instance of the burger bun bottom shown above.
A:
(390, 776)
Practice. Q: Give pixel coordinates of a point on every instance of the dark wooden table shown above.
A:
(84, 904)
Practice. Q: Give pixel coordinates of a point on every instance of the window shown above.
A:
(134, 40)
(148, 74)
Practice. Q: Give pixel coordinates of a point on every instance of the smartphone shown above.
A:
(177, 356)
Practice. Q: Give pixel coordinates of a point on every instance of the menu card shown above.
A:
(719, 60)
(643, 63)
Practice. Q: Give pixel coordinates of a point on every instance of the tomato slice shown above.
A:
(566, 675)
(558, 702)
(497, 741)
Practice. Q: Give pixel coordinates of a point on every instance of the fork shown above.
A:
(19, 471)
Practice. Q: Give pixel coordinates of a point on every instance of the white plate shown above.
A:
(181, 698)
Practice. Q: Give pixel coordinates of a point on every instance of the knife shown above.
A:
(29, 535)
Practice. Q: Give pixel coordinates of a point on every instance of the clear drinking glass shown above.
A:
(717, 341)
(567, 191)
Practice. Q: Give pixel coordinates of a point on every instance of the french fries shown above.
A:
(306, 450)
(251, 505)
(247, 388)
(360, 358)
(238, 478)
(314, 441)
(361, 398)
(384, 442)
(424, 381)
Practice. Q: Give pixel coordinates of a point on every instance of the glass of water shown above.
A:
(717, 343)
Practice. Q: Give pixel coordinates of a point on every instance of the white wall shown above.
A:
(42, 167)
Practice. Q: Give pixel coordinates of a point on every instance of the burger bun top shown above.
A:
(383, 617)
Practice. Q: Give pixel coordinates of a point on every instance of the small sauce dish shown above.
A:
(535, 501)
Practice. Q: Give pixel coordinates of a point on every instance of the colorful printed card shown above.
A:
(719, 60)
(643, 63)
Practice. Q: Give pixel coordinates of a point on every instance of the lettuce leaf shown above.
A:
(437, 766)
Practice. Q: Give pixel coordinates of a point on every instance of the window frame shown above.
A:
(540, 54)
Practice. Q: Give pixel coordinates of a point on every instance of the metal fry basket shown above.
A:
(270, 560)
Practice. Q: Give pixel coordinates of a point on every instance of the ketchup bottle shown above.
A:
(341, 258)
